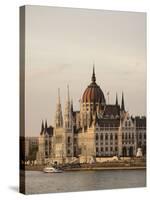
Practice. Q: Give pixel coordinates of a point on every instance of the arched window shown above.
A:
(106, 137)
(129, 136)
(46, 142)
(101, 136)
(68, 139)
(46, 154)
(129, 124)
(68, 151)
(97, 150)
(116, 136)
(96, 136)
(140, 136)
(111, 136)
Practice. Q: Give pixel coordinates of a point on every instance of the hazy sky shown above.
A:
(61, 46)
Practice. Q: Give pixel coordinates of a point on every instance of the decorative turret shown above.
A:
(45, 125)
(93, 75)
(68, 113)
(58, 115)
(71, 105)
(42, 127)
(116, 99)
(122, 103)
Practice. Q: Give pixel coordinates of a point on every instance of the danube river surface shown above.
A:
(39, 182)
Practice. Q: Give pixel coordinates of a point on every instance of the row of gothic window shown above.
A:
(106, 143)
(127, 123)
(124, 136)
(108, 128)
(140, 136)
(69, 140)
(106, 137)
(102, 149)
(127, 136)
(129, 142)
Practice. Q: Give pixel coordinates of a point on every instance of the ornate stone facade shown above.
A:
(98, 129)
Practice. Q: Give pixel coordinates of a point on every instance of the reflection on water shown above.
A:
(39, 182)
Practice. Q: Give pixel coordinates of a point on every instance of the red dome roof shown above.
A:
(93, 93)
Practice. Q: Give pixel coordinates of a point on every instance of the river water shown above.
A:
(39, 182)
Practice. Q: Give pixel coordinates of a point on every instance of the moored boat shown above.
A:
(51, 170)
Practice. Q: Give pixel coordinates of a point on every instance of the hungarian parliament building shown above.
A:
(96, 130)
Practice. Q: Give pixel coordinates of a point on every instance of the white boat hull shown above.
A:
(51, 170)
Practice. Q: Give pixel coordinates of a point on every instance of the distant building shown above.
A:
(98, 129)
(45, 143)
(31, 148)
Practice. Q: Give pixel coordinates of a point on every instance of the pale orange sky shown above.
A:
(61, 46)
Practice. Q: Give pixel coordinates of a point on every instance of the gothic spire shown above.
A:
(93, 75)
(72, 105)
(58, 114)
(42, 127)
(58, 95)
(67, 112)
(45, 125)
(68, 94)
(116, 99)
(122, 103)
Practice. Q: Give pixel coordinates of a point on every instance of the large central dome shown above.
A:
(93, 93)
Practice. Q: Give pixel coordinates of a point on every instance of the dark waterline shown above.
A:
(38, 182)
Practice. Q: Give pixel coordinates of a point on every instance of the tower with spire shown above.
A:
(68, 112)
(63, 132)
(122, 110)
(93, 102)
(68, 125)
(42, 128)
(116, 99)
(45, 126)
(93, 75)
(58, 114)
(122, 103)
(45, 135)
